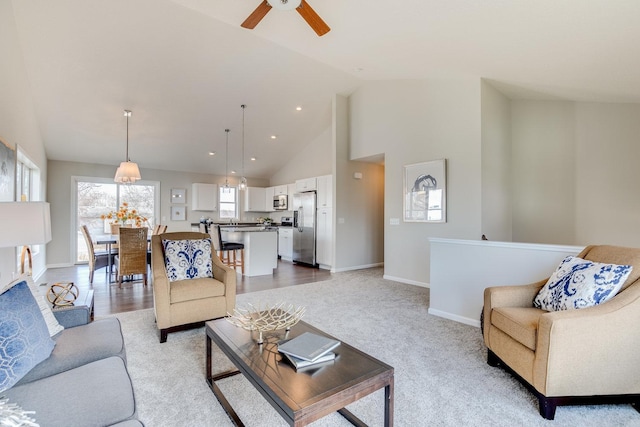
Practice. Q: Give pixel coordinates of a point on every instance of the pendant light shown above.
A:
(226, 188)
(128, 171)
(243, 180)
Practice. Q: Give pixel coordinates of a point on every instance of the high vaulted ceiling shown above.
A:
(184, 67)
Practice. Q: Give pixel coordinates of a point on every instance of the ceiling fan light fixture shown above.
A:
(284, 4)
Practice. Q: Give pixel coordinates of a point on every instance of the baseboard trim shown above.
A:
(465, 320)
(357, 267)
(407, 281)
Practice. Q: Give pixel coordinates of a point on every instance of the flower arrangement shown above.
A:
(123, 215)
(265, 220)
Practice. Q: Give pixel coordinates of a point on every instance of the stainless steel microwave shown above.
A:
(280, 202)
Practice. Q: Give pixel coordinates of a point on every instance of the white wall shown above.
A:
(359, 203)
(415, 121)
(544, 171)
(18, 122)
(315, 159)
(458, 293)
(607, 195)
(60, 197)
(496, 165)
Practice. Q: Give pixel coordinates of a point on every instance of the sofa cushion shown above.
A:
(79, 346)
(579, 283)
(24, 337)
(95, 394)
(520, 323)
(187, 259)
(195, 289)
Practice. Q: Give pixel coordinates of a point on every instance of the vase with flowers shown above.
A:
(124, 217)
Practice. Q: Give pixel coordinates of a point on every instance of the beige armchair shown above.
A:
(583, 356)
(188, 303)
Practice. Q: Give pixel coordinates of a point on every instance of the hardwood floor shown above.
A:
(109, 299)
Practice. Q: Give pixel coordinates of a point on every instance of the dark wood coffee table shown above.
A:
(304, 396)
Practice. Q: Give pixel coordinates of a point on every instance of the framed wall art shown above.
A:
(425, 192)
(178, 213)
(178, 195)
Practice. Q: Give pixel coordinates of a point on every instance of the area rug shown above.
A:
(441, 374)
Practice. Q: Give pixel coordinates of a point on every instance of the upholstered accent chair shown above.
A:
(184, 304)
(578, 356)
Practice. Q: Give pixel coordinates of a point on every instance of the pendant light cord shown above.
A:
(127, 114)
(243, 107)
(226, 170)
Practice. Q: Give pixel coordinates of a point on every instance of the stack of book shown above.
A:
(308, 349)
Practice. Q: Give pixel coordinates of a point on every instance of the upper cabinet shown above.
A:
(325, 191)
(281, 190)
(204, 197)
(308, 184)
(269, 192)
(255, 199)
(291, 190)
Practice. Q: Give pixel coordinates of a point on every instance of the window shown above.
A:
(228, 202)
(27, 190)
(99, 196)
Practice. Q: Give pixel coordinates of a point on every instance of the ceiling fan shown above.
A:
(303, 8)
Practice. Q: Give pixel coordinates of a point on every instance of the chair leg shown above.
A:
(144, 279)
(547, 407)
(242, 261)
(492, 359)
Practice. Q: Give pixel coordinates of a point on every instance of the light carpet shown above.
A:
(441, 374)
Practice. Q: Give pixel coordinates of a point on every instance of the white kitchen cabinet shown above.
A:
(291, 190)
(308, 184)
(280, 190)
(325, 191)
(204, 197)
(324, 237)
(254, 199)
(285, 243)
(269, 192)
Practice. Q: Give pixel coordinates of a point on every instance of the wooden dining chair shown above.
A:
(132, 256)
(97, 260)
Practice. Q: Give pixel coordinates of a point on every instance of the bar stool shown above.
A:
(227, 251)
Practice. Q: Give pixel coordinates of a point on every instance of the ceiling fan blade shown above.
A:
(312, 18)
(256, 16)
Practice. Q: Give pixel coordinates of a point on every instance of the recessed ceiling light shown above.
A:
(273, 137)
(212, 153)
(298, 108)
(233, 172)
(253, 159)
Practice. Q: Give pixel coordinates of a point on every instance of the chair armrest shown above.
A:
(507, 296)
(226, 275)
(607, 342)
(70, 317)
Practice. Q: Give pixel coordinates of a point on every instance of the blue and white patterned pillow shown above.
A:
(578, 283)
(187, 259)
(24, 337)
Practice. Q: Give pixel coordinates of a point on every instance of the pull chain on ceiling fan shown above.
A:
(303, 8)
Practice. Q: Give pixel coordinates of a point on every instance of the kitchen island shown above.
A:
(260, 247)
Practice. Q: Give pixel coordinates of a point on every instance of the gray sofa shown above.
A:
(84, 382)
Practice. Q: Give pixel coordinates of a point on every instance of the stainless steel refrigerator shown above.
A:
(304, 228)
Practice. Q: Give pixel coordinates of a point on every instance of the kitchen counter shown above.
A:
(246, 228)
(260, 247)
